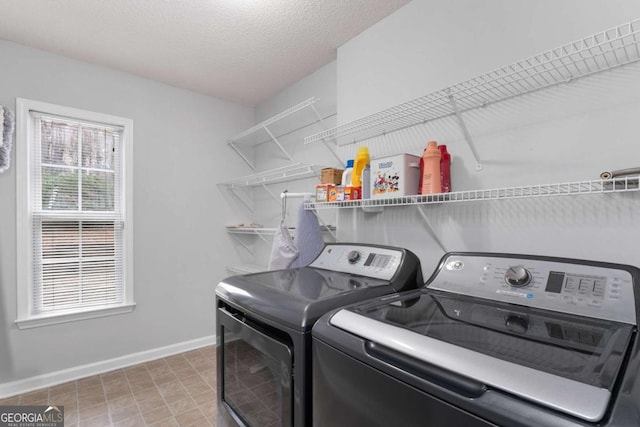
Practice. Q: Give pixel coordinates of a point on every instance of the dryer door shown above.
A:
(254, 373)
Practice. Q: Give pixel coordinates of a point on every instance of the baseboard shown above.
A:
(47, 380)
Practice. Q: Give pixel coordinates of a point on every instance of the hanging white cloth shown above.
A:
(308, 237)
(283, 251)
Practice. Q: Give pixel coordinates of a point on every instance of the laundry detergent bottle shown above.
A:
(445, 169)
(359, 163)
(431, 169)
(348, 173)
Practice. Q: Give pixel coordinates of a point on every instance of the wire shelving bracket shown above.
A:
(599, 52)
(242, 138)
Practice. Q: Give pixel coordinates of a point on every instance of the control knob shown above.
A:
(353, 257)
(517, 276)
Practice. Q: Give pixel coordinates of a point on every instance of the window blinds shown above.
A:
(77, 214)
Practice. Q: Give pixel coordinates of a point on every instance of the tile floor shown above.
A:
(178, 390)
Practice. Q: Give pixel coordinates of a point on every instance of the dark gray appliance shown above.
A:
(493, 339)
(264, 323)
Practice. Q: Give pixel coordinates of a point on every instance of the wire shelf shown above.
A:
(282, 174)
(246, 268)
(269, 231)
(616, 185)
(599, 52)
(241, 137)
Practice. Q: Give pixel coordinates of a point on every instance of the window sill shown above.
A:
(38, 321)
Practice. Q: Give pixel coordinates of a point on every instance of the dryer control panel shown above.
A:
(568, 287)
(363, 260)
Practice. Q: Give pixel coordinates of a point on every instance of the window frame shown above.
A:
(24, 218)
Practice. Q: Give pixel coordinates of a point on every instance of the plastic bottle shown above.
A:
(421, 172)
(361, 160)
(348, 173)
(366, 182)
(445, 169)
(431, 169)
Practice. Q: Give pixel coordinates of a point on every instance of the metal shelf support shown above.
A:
(465, 131)
(324, 141)
(243, 244)
(429, 228)
(264, 126)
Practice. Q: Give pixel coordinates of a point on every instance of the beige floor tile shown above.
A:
(183, 405)
(156, 415)
(136, 370)
(89, 412)
(209, 410)
(113, 375)
(116, 388)
(196, 390)
(153, 393)
(98, 421)
(136, 421)
(10, 401)
(121, 414)
(189, 371)
(151, 404)
(120, 402)
(206, 398)
(165, 378)
(193, 417)
(155, 363)
(65, 388)
(86, 400)
(89, 383)
(39, 397)
(169, 422)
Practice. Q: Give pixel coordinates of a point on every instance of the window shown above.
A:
(74, 192)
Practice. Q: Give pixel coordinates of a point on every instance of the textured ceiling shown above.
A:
(240, 50)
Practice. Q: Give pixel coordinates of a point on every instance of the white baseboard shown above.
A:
(54, 378)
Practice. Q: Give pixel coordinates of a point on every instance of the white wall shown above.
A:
(180, 246)
(290, 133)
(566, 133)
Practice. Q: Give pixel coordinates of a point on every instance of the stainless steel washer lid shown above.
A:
(578, 399)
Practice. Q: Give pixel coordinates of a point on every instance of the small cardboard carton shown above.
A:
(331, 176)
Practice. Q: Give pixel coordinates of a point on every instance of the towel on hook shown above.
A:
(308, 237)
(7, 124)
(283, 251)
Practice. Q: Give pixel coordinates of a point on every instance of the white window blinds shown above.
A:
(77, 215)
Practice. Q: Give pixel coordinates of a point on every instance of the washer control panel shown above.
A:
(363, 260)
(586, 290)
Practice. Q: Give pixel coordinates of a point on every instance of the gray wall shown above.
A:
(567, 133)
(290, 132)
(180, 154)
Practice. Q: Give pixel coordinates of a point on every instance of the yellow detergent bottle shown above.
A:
(359, 163)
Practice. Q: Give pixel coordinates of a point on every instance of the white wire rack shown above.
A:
(599, 52)
(616, 185)
(246, 268)
(282, 174)
(266, 231)
(244, 137)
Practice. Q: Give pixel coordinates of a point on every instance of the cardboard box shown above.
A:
(395, 176)
(352, 193)
(333, 193)
(331, 176)
(322, 192)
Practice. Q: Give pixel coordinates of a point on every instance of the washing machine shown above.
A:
(264, 323)
(492, 340)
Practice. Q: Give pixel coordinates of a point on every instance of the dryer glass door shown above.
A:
(256, 372)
